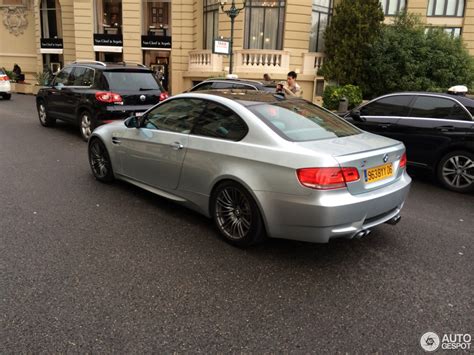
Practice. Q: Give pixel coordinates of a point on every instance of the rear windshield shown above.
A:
(302, 121)
(132, 80)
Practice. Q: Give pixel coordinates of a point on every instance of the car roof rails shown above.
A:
(131, 63)
(89, 62)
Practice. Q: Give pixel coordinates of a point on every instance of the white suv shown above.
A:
(5, 87)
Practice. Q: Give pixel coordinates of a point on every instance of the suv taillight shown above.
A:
(327, 178)
(164, 96)
(403, 160)
(108, 97)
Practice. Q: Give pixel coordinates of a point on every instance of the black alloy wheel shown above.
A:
(99, 161)
(236, 215)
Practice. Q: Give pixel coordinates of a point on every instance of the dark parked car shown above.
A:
(241, 84)
(437, 129)
(91, 93)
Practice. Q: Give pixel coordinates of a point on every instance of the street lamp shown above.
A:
(233, 12)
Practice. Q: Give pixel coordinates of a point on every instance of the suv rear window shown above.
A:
(301, 121)
(131, 80)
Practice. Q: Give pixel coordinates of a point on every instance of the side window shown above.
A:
(63, 77)
(243, 87)
(459, 113)
(389, 106)
(218, 121)
(83, 76)
(205, 86)
(432, 107)
(222, 85)
(176, 115)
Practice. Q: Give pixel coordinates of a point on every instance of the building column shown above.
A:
(132, 31)
(84, 29)
(69, 40)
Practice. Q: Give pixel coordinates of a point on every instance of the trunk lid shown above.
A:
(372, 155)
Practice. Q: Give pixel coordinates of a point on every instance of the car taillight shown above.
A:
(163, 96)
(327, 178)
(403, 160)
(109, 97)
(4, 78)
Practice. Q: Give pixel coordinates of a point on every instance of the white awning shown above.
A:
(156, 49)
(51, 51)
(112, 49)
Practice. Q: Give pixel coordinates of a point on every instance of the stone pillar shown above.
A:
(132, 31)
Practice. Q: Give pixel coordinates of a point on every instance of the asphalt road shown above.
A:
(88, 267)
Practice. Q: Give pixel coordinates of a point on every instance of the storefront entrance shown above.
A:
(159, 61)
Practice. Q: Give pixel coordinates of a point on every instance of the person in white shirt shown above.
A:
(291, 87)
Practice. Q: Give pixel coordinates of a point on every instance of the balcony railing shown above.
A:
(261, 60)
(204, 61)
(312, 62)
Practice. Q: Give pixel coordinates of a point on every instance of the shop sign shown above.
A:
(108, 40)
(156, 42)
(221, 46)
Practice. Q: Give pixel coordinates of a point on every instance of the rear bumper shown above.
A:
(5, 87)
(323, 215)
(111, 113)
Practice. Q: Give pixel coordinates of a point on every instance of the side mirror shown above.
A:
(133, 122)
(355, 114)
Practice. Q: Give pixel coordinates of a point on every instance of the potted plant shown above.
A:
(42, 79)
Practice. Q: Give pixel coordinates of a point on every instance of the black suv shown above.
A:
(437, 130)
(242, 84)
(92, 93)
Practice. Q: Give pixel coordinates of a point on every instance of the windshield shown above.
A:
(302, 121)
(131, 80)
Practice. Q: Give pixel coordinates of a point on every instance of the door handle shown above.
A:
(176, 146)
(445, 128)
(385, 125)
(116, 140)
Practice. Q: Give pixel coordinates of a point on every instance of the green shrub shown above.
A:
(43, 78)
(333, 94)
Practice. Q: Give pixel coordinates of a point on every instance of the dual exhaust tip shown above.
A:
(362, 233)
(366, 232)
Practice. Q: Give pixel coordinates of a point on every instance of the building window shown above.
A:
(264, 24)
(211, 22)
(453, 31)
(157, 18)
(392, 7)
(50, 14)
(453, 8)
(108, 17)
(322, 11)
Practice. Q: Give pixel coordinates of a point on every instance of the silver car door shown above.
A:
(154, 153)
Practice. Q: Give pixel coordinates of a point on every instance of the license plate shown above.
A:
(378, 173)
(138, 114)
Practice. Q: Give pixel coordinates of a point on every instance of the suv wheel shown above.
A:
(7, 96)
(236, 215)
(86, 125)
(456, 171)
(43, 116)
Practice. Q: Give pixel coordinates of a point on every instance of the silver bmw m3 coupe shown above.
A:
(259, 165)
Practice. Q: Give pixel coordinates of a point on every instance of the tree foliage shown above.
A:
(349, 37)
(407, 57)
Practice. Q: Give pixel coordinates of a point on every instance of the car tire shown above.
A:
(236, 215)
(7, 96)
(86, 125)
(99, 161)
(456, 171)
(44, 118)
